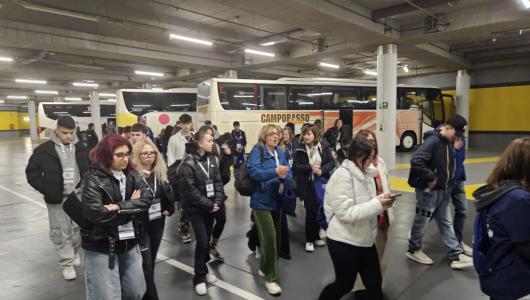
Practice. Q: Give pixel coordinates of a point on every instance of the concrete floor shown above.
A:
(28, 268)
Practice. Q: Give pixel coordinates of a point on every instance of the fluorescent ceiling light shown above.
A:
(6, 59)
(85, 66)
(243, 96)
(73, 98)
(155, 74)
(173, 36)
(327, 65)
(267, 44)
(257, 52)
(46, 92)
(106, 95)
(370, 72)
(406, 68)
(305, 103)
(86, 84)
(61, 12)
(319, 94)
(2, 101)
(30, 81)
(141, 105)
(111, 100)
(179, 105)
(17, 97)
(526, 4)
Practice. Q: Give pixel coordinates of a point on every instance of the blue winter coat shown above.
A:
(262, 170)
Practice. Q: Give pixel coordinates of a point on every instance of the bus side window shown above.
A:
(369, 99)
(274, 97)
(304, 98)
(340, 97)
(236, 96)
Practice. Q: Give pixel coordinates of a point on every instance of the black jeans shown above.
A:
(202, 226)
(220, 221)
(348, 261)
(153, 236)
(312, 227)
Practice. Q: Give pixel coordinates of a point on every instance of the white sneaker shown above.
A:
(462, 262)
(77, 261)
(69, 273)
(320, 243)
(420, 257)
(260, 273)
(322, 234)
(273, 288)
(210, 278)
(467, 250)
(200, 289)
(309, 247)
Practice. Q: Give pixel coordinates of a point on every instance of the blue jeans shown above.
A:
(458, 196)
(126, 281)
(434, 204)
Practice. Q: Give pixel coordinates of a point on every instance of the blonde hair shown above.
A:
(159, 168)
(267, 129)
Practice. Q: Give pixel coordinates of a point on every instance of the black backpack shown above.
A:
(243, 183)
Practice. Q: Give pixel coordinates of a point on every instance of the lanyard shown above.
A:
(238, 138)
(207, 173)
(275, 154)
(149, 187)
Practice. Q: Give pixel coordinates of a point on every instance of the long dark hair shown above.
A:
(364, 133)
(359, 147)
(514, 164)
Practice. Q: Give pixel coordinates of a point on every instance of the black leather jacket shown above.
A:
(192, 183)
(100, 188)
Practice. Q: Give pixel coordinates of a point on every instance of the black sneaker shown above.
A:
(186, 237)
(214, 254)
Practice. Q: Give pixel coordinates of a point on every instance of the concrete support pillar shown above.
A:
(230, 74)
(463, 82)
(58, 99)
(386, 103)
(32, 112)
(96, 113)
(147, 85)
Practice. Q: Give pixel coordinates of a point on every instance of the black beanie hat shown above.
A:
(457, 121)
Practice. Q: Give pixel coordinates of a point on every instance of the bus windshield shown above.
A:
(140, 103)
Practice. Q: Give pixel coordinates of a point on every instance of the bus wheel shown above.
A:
(408, 141)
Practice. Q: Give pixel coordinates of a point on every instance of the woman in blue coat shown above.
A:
(269, 169)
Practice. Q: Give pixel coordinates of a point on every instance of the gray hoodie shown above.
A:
(68, 160)
(487, 195)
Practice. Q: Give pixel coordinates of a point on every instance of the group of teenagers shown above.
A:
(126, 191)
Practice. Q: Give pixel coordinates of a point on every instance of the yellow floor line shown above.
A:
(400, 184)
(467, 162)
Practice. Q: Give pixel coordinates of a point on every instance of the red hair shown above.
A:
(103, 153)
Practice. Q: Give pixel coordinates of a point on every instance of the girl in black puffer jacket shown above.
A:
(113, 198)
(201, 190)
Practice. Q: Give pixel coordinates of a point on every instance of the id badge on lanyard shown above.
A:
(210, 191)
(155, 211)
(126, 231)
(68, 175)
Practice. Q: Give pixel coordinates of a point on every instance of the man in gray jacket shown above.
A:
(54, 169)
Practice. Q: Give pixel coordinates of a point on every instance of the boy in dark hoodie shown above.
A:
(501, 245)
(432, 174)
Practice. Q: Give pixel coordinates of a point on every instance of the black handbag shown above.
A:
(73, 208)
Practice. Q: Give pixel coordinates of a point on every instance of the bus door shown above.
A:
(346, 115)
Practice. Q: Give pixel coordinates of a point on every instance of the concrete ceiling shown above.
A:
(104, 41)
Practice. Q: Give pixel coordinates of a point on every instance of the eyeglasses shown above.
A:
(148, 153)
(274, 134)
(122, 155)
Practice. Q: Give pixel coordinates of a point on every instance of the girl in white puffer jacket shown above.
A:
(351, 207)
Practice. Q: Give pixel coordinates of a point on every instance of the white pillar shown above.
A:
(96, 113)
(147, 85)
(386, 103)
(32, 112)
(230, 74)
(462, 93)
(463, 82)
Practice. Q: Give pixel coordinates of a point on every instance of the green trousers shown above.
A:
(268, 225)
